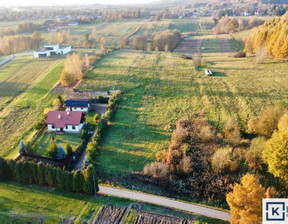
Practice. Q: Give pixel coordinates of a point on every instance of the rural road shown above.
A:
(6, 60)
(165, 202)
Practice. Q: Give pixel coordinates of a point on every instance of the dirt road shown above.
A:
(213, 213)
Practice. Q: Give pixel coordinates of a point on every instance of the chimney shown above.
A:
(59, 116)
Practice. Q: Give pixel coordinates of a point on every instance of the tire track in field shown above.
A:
(240, 105)
(216, 99)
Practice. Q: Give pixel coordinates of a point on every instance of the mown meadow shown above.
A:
(24, 94)
(159, 88)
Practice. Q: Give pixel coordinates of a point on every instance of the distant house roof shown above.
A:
(51, 45)
(63, 47)
(42, 51)
(62, 118)
(76, 103)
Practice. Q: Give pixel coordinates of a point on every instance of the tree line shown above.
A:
(263, 8)
(61, 37)
(26, 27)
(272, 36)
(75, 68)
(17, 43)
(47, 175)
(165, 40)
(226, 25)
(91, 42)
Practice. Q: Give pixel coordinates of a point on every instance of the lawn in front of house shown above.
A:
(44, 140)
(90, 118)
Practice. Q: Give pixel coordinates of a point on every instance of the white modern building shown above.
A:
(52, 49)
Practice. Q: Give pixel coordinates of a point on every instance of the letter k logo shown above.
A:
(275, 211)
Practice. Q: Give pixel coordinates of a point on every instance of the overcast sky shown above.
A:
(71, 2)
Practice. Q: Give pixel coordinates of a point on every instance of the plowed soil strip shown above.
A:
(225, 46)
(150, 218)
(110, 215)
(188, 46)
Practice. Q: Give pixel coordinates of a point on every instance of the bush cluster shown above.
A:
(267, 121)
(166, 40)
(46, 175)
(240, 54)
(39, 125)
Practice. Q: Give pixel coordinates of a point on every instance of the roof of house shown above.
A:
(62, 118)
(51, 45)
(42, 51)
(76, 103)
(64, 47)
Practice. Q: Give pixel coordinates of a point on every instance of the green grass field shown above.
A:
(161, 88)
(206, 25)
(210, 45)
(33, 96)
(20, 74)
(10, 68)
(24, 95)
(45, 205)
(186, 25)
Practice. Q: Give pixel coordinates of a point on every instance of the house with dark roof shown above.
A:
(77, 105)
(65, 121)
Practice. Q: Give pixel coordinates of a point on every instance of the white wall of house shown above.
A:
(54, 49)
(37, 53)
(65, 50)
(50, 127)
(81, 109)
(67, 128)
(76, 129)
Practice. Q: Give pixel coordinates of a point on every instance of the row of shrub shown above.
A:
(47, 175)
(93, 146)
